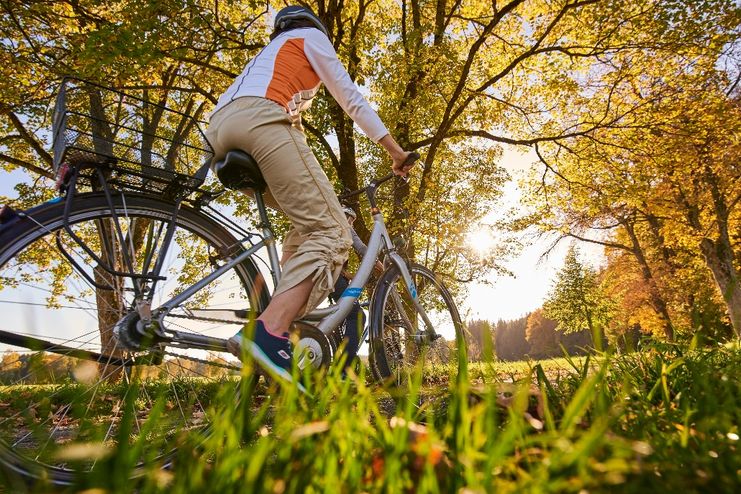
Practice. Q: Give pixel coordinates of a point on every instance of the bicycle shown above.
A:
(110, 284)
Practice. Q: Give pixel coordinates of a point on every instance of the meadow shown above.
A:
(664, 419)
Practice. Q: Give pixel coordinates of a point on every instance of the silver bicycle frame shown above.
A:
(326, 319)
(380, 241)
(268, 241)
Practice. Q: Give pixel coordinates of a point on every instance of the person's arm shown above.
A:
(323, 59)
(357, 244)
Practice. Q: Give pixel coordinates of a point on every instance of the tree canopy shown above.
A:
(631, 107)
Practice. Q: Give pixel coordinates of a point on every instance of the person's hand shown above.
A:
(403, 163)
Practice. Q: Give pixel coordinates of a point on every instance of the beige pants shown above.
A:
(319, 238)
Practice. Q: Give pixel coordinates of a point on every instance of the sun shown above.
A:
(481, 239)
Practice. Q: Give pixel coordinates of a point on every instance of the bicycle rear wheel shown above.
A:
(399, 345)
(64, 377)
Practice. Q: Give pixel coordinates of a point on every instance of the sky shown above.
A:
(511, 297)
(533, 273)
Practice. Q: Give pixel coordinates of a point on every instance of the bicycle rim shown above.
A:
(64, 379)
(399, 348)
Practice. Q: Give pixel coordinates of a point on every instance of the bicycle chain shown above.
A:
(207, 319)
(143, 360)
(194, 359)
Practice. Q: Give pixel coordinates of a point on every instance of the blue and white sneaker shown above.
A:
(272, 353)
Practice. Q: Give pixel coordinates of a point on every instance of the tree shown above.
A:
(164, 52)
(667, 193)
(606, 186)
(542, 336)
(480, 341)
(579, 343)
(576, 300)
(10, 367)
(459, 77)
(510, 341)
(165, 46)
(704, 146)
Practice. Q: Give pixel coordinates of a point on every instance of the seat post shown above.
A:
(264, 221)
(268, 236)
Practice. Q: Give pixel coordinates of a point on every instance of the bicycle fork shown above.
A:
(429, 333)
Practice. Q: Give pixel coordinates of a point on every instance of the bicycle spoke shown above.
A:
(407, 344)
(60, 397)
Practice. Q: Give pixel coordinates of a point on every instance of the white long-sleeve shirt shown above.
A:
(357, 244)
(290, 71)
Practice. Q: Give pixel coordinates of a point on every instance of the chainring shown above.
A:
(313, 347)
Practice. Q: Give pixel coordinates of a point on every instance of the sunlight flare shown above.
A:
(481, 239)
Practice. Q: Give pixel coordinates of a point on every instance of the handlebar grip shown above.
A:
(411, 158)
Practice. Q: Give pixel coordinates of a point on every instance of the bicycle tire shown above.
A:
(50, 401)
(395, 355)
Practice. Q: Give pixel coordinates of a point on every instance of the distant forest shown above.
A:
(513, 340)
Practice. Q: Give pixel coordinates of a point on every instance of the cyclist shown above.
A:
(260, 113)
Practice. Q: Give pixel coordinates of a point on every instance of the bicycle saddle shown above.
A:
(238, 170)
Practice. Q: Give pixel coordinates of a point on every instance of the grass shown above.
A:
(664, 419)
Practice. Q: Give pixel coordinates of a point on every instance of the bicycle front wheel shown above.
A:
(401, 343)
(65, 378)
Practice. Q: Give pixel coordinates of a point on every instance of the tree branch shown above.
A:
(27, 136)
(612, 245)
(324, 143)
(27, 166)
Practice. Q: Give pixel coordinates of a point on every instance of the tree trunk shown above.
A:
(110, 302)
(718, 256)
(110, 311)
(718, 253)
(655, 299)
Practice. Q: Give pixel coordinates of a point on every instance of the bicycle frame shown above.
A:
(379, 244)
(326, 319)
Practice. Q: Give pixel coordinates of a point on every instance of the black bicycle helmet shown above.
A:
(296, 12)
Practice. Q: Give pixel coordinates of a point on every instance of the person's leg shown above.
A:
(301, 189)
(285, 307)
(354, 325)
(354, 322)
(319, 241)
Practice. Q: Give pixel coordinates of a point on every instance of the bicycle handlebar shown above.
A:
(374, 184)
